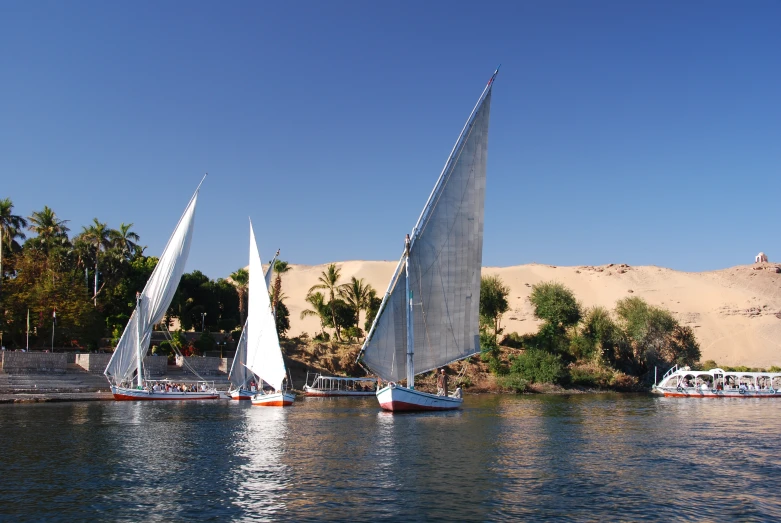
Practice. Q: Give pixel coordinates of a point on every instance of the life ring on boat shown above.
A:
(742, 391)
(714, 391)
(680, 389)
(772, 390)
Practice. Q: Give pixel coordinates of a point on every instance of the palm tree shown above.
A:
(49, 228)
(240, 279)
(280, 268)
(126, 240)
(357, 295)
(11, 226)
(99, 236)
(329, 280)
(319, 309)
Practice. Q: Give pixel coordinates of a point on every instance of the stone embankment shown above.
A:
(27, 377)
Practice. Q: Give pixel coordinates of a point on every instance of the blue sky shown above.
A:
(644, 132)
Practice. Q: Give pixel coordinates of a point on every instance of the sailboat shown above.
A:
(243, 382)
(125, 371)
(429, 316)
(264, 355)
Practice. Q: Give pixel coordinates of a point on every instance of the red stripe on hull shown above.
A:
(273, 404)
(401, 406)
(241, 397)
(740, 396)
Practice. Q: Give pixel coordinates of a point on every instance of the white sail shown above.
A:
(445, 258)
(155, 299)
(239, 374)
(264, 355)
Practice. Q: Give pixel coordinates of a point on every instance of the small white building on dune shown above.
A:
(761, 257)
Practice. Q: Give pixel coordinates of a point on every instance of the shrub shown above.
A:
(708, 365)
(513, 382)
(591, 376)
(537, 366)
(774, 369)
(497, 366)
(323, 336)
(512, 340)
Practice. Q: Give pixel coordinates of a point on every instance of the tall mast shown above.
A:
(410, 317)
(139, 320)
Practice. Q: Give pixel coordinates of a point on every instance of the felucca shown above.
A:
(125, 368)
(430, 313)
(243, 383)
(264, 355)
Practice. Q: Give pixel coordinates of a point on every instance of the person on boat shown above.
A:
(457, 394)
(442, 383)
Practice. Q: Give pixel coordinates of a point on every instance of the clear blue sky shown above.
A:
(643, 132)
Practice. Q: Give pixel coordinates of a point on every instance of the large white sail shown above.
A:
(445, 258)
(239, 374)
(155, 299)
(264, 355)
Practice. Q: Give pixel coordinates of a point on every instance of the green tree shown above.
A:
(11, 226)
(319, 308)
(240, 280)
(599, 337)
(126, 241)
(99, 236)
(493, 302)
(357, 295)
(329, 281)
(282, 318)
(280, 268)
(50, 230)
(555, 304)
(372, 308)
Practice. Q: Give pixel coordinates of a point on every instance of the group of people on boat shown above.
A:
(175, 387)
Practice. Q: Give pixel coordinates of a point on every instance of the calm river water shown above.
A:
(601, 457)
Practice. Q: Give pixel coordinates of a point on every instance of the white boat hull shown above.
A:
(689, 392)
(396, 398)
(241, 394)
(125, 394)
(274, 399)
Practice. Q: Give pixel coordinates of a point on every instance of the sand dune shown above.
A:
(735, 312)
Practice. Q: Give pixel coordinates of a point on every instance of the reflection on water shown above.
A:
(577, 458)
(260, 477)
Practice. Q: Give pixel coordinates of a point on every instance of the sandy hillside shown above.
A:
(735, 313)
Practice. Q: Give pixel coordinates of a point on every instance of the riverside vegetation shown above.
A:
(90, 280)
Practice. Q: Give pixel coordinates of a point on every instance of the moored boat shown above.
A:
(324, 386)
(684, 382)
(264, 354)
(243, 383)
(429, 316)
(199, 390)
(125, 371)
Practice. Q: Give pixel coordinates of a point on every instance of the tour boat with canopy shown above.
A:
(718, 383)
(243, 383)
(264, 355)
(429, 316)
(324, 386)
(125, 368)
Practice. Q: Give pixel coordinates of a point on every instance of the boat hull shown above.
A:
(395, 398)
(241, 394)
(124, 394)
(275, 399)
(684, 392)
